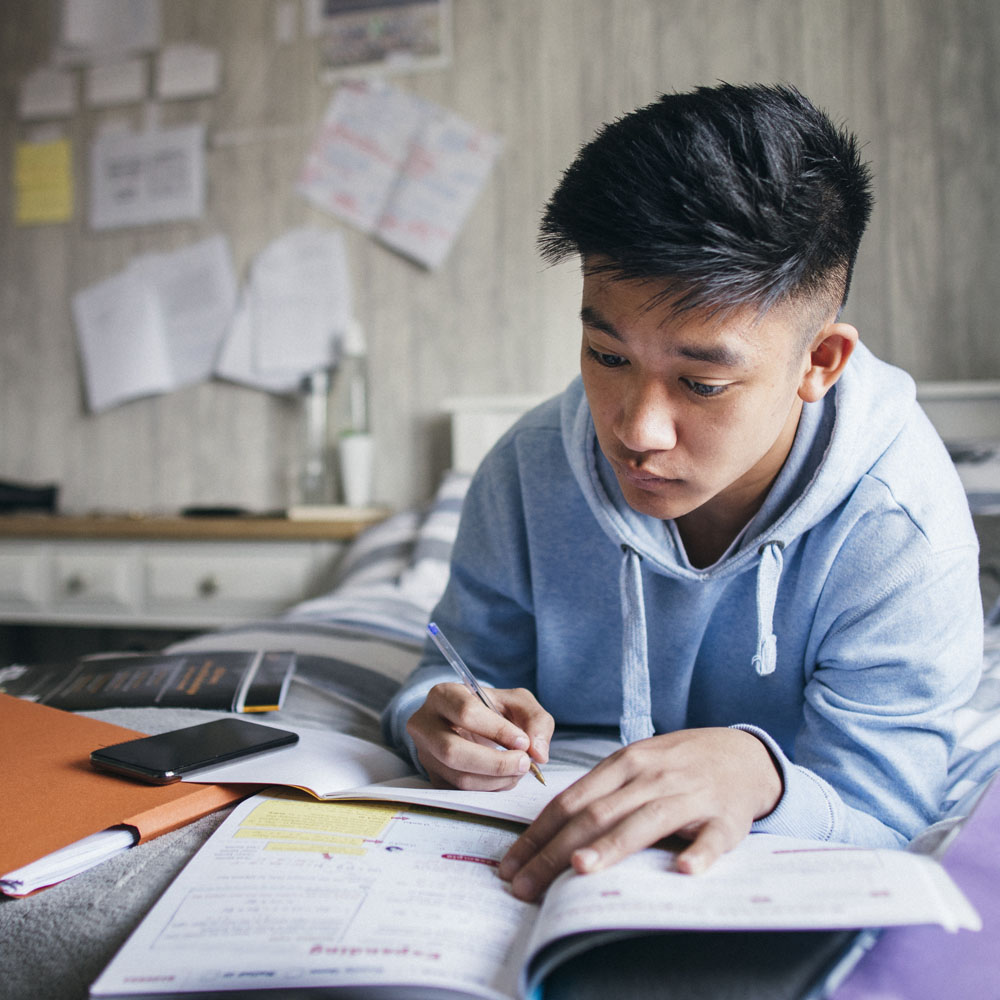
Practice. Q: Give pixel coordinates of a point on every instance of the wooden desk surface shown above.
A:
(336, 526)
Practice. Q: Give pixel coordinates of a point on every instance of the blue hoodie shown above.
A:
(843, 627)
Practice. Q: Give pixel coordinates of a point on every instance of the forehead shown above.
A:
(632, 310)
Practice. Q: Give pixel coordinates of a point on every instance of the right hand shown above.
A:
(460, 742)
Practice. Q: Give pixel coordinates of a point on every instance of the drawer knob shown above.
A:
(75, 584)
(208, 586)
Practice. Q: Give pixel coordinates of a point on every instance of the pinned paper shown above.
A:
(294, 313)
(47, 93)
(43, 182)
(142, 177)
(398, 167)
(188, 70)
(157, 325)
(94, 29)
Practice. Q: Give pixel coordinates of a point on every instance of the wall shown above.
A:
(914, 78)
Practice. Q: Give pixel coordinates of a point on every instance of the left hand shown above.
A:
(706, 784)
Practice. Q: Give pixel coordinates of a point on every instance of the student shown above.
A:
(736, 538)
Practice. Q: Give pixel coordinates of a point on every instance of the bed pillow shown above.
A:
(394, 573)
(976, 757)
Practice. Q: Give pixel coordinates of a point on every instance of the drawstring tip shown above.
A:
(767, 656)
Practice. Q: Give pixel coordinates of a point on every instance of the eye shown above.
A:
(703, 389)
(606, 360)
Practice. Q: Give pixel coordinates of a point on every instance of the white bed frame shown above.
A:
(477, 422)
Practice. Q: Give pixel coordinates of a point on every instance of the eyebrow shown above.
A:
(721, 355)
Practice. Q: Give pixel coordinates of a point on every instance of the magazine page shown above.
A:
(766, 883)
(291, 893)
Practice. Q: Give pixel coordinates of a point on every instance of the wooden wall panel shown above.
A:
(916, 79)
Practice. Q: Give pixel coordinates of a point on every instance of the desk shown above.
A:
(164, 571)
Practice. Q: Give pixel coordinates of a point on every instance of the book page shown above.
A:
(766, 883)
(295, 893)
(335, 766)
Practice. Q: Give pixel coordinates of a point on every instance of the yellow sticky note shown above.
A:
(43, 182)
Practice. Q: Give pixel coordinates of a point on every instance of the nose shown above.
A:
(646, 420)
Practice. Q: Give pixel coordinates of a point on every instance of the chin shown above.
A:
(667, 502)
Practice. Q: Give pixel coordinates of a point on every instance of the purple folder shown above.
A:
(927, 962)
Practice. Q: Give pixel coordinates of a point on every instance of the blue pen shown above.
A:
(458, 665)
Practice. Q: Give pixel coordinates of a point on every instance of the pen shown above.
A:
(458, 665)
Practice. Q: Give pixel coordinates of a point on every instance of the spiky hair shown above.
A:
(733, 195)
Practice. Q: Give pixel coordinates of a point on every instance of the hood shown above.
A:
(839, 439)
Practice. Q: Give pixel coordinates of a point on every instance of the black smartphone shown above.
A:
(162, 759)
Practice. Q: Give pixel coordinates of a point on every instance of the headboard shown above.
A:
(477, 422)
(963, 411)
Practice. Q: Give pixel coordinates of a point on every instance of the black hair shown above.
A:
(734, 196)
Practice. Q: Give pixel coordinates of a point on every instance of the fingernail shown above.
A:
(521, 742)
(523, 887)
(523, 764)
(692, 864)
(541, 746)
(586, 859)
(508, 868)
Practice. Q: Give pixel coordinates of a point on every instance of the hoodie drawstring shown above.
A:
(636, 720)
(768, 574)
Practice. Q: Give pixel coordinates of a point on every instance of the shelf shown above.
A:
(339, 527)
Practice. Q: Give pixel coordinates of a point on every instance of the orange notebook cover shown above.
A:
(52, 797)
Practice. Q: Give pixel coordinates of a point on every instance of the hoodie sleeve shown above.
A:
(486, 608)
(898, 651)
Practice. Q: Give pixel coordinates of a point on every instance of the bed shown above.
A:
(354, 645)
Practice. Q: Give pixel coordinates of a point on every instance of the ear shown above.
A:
(828, 358)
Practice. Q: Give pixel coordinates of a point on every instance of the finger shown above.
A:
(522, 708)
(540, 858)
(466, 763)
(714, 839)
(596, 784)
(635, 831)
(464, 711)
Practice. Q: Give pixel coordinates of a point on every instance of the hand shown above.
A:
(705, 784)
(457, 736)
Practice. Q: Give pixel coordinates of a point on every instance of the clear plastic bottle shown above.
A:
(316, 479)
(351, 420)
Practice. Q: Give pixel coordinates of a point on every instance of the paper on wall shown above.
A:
(92, 29)
(447, 166)
(47, 93)
(187, 70)
(360, 150)
(43, 182)
(196, 291)
(294, 312)
(236, 360)
(397, 167)
(122, 345)
(138, 178)
(157, 325)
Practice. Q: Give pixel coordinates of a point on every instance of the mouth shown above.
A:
(641, 478)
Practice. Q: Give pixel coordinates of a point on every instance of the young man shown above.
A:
(736, 539)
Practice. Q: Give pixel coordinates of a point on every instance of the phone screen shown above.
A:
(167, 757)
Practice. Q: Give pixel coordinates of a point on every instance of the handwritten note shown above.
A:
(398, 167)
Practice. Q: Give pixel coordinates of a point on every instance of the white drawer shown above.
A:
(91, 578)
(218, 581)
(22, 577)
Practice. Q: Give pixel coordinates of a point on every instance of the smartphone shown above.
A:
(162, 759)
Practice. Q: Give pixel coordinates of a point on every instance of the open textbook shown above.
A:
(395, 900)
